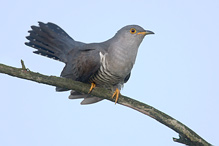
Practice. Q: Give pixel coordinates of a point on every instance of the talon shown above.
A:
(116, 93)
(93, 85)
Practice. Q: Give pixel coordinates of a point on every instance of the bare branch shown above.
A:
(186, 135)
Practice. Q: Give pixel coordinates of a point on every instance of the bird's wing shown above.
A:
(83, 62)
(127, 77)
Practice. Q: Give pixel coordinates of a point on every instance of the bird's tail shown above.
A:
(88, 99)
(51, 41)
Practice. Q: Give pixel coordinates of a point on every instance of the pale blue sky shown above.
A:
(176, 71)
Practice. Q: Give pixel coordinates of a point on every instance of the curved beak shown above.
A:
(146, 32)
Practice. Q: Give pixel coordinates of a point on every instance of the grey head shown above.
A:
(133, 32)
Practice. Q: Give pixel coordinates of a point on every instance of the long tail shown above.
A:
(51, 41)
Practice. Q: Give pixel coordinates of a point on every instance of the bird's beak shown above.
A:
(146, 32)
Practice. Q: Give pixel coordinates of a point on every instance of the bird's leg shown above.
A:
(93, 85)
(116, 93)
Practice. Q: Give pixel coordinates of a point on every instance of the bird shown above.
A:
(106, 64)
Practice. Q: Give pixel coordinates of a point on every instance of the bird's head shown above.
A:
(132, 34)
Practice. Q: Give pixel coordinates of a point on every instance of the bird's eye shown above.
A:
(132, 31)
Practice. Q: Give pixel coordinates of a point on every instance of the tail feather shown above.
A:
(51, 41)
(39, 37)
(88, 99)
(37, 34)
(47, 54)
(35, 42)
(54, 29)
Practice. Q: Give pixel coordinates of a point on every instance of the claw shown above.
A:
(116, 93)
(93, 85)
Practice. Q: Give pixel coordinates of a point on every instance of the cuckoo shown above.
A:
(107, 64)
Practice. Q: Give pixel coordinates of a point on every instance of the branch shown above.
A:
(186, 135)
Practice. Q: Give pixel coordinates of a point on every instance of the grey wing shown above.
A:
(127, 77)
(81, 68)
(83, 65)
(84, 61)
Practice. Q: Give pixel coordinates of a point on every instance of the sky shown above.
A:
(176, 71)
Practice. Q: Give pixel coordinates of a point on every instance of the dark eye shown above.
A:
(132, 30)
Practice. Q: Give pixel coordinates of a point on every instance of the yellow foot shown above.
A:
(93, 85)
(116, 93)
